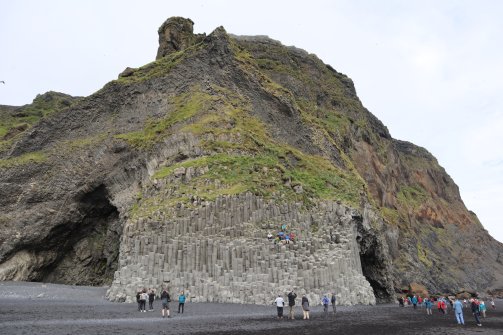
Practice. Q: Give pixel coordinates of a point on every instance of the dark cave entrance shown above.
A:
(373, 272)
(374, 262)
(88, 243)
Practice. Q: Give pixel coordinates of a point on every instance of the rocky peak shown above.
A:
(176, 34)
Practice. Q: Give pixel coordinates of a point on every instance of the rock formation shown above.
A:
(176, 34)
(177, 170)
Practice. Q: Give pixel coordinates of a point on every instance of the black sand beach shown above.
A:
(36, 308)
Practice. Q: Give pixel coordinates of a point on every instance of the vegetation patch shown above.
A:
(29, 158)
(185, 106)
(160, 67)
(412, 196)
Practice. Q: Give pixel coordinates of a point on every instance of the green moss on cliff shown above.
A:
(16, 120)
(158, 68)
(29, 158)
(412, 196)
(423, 256)
(185, 106)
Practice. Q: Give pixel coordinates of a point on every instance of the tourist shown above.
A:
(151, 298)
(493, 305)
(280, 303)
(143, 300)
(305, 307)
(414, 301)
(324, 302)
(441, 306)
(269, 236)
(181, 301)
(291, 304)
(138, 296)
(165, 299)
(428, 304)
(333, 300)
(482, 308)
(475, 311)
(420, 301)
(465, 303)
(400, 302)
(458, 311)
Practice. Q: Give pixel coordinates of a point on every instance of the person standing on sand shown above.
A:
(165, 299)
(291, 304)
(428, 304)
(280, 303)
(324, 302)
(333, 300)
(143, 300)
(458, 311)
(151, 298)
(181, 301)
(138, 296)
(482, 308)
(414, 301)
(305, 307)
(475, 311)
(493, 305)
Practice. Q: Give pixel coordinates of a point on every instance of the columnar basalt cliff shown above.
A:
(177, 171)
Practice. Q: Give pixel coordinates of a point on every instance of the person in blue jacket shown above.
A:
(181, 301)
(414, 301)
(458, 311)
(428, 304)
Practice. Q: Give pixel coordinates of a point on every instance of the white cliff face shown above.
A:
(219, 252)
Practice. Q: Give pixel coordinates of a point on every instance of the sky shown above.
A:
(431, 71)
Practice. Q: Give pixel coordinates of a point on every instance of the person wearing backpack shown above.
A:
(143, 300)
(165, 299)
(333, 300)
(324, 302)
(291, 304)
(475, 311)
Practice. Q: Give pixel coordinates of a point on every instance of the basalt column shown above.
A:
(220, 252)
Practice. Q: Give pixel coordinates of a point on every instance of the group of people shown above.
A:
(280, 304)
(477, 307)
(283, 236)
(144, 295)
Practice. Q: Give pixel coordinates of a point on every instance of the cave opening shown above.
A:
(373, 272)
(87, 245)
(374, 262)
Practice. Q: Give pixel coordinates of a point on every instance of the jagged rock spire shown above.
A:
(176, 34)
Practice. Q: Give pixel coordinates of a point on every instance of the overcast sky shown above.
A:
(432, 71)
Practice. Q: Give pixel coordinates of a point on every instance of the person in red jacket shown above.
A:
(441, 306)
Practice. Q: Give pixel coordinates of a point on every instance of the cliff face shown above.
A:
(177, 170)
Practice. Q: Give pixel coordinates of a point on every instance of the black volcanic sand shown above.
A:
(35, 308)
